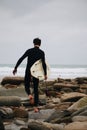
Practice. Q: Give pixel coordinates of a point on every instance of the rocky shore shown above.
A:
(62, 106)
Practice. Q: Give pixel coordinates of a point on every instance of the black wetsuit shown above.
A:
(32, 55)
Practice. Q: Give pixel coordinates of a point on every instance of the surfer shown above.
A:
(32, 55)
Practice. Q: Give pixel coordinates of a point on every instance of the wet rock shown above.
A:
(10, 101)
(62, 106)
(20, 112)
(80, 111)
(41, 115)
(7, 86)
(79, 104)
(79, 118)
(51, 93)
(1, 124)
(42, 102)
(37, 125)
(12, 80)
(59, 116)
(6, 113)
(83, 90)
(19, 122)
(49, 83)
(19, 92)
(25, 128)
(76, 126)
(60, 80)
(59, 86)
(81, 80)
(67, 90)
(72, 97)
(56, 100)
(84, 113)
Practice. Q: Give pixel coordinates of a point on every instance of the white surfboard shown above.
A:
(37, 70)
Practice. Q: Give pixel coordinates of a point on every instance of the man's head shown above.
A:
(37, 41)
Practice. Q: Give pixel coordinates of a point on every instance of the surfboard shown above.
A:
(37, 70)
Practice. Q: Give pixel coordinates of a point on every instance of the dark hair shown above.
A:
(37, 41)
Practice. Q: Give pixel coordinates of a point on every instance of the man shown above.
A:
(32, 56)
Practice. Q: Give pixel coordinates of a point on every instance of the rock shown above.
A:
(60, 80)
(19, 91)
(20, 112)
(59, 116)
(83, 86)
(42, 99)
(79, 104)
(25, 128)
(1, 124)
(38, 125)
(67, 90)
(76, 126)
(6, 113)
(56, 100)
(79, 118)
(84, 113)
(54, 126)
(62, 106)
(81, 80)
(80, 111)
(83, 90)
(12, 80)
(19, 122)
(41, 115)
(10, 101)
(48, 83)
(73, 96)
(7, 86)
(58, 86)
(51, 93)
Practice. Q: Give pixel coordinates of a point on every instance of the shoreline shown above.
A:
(49, 78)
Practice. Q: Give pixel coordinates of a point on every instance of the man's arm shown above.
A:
(19, 62)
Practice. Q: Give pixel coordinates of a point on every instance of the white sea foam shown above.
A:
(68, 72)
(63, 72)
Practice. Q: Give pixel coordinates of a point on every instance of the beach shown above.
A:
(63, 101)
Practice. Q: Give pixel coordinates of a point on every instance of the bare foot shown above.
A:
(36, 109)
(31, 99)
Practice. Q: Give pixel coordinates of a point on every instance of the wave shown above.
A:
(63, 72)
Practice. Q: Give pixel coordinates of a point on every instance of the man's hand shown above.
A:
(45, 77)
(14, 71)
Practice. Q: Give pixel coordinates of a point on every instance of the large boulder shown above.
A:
(6, 113)
(38, 125)
(76, 126)
(12, 80)
(10, 101)
(73, 96)
(79, 118)
(79, 104)
(59, 117)
(81, 80)
(81, 112)
(20, 112)
(1, 125)
(59, 86)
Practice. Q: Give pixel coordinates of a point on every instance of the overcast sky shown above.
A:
(61, 24)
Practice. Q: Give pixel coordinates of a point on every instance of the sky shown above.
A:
(60, 24)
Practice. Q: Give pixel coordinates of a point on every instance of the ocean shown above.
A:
(56, 71)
